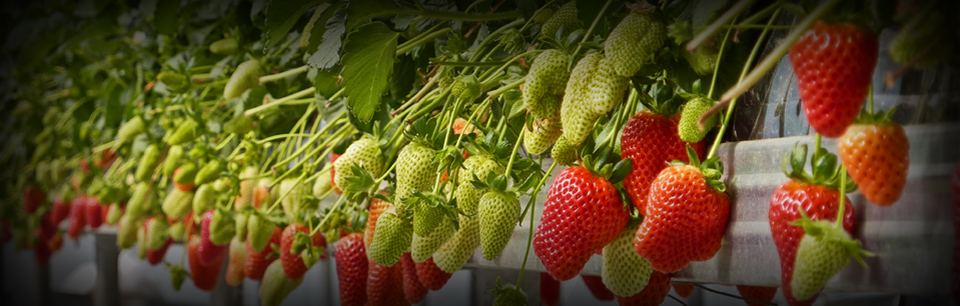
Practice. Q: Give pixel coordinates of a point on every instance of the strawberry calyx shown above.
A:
(712, 168)
(879, 117)
(431, 201)
(826, 169)
(508, 294)
(177, 275)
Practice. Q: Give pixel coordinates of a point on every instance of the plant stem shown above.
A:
(716, 68)
(843, 193)
(284, 195)
(284, 74)
(278, 102)
(462, 16)
(707, 33)
(413, 44)
(513, 154)
(499, 91)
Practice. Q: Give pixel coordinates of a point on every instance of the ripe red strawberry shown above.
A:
(154, 257)
(204, 275)
(59, 211)
(549, 290)
(685, 290)
(352, 268)
(413, 290)
(877, 156)
(94, 211)
(431, 276)
(687, 214)
(653, 294)
(209, 251)
(834, 63)
(293, 262)
(236, 261)
(32, 198)
(582, 214)
(758, 293)
(55, 242)
(78, 217)
(385, 285)
(597, 288)
(42, 253)
(257, 262)
(651, 141)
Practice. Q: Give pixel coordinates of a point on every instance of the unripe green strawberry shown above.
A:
(416, 170)
(204, 199)
(185, 132)
(156, 233)
(178, 230)
(240, 225)
(184, 176)
(542, 136)
(247, 184)
(131, 129)
(634, 41)
(545, 84)
(423, 247)
(576, 120)
(563, 152)
(390, 240)
(323, 183)
(606, 88)
(687, 128)
(240, 124)
(917, 34)
(499, 212)
(426, 219)
(208, 173)
(141, 201)
(113, 214)
(178, 203)
(295, 191)
(466, 87)
(454, 253)
(703, 61)
(365, 153)
(481, 165)
(259, 231)
(226, 46)
(624, 272)
(275, 286)
(148, 163)
(222, 228)
(127, 231)
(543, 16)
(172, 79)
(565, 19)
(246, 76)
(174, 159)
(142, 244)
(817, 262)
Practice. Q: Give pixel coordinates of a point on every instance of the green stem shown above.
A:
(282, 136)
(586, 35)
(513, 154)
(224, 142)
(843, 192)
(278, 102)
(461, 16)
(533, 198)
(335, 207)
(707, 33)
(283, 75)
(716, 68)
(764, 13)
(490, 73)
(419, 42)
(499, 91)
(472, 64)
(285, 194)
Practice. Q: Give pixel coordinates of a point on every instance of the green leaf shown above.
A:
(369, 54)
(281, 16)
(327, 54)
(314, 30)
(359, 11)
(165, 17)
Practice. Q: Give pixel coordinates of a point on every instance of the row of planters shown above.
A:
(223, 124)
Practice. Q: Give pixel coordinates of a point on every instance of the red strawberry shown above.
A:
(59, 211)
(78, 217)
(204, 275)
(208, 251)
(412, 288)
(55, 242)
(582, 214)
(154, 257)
(94, 211)
(834, 63)
(333, 173)
(687, 214)
(293, 263)
(758, 293)
(385, 285)
(431, 276)
(653, 294)
(235, 263)
(651, 141)
(597, 288)
(684, 290)
(32, 198)
(352, 268)
(549, 290)
(257, 262)
(42, 253)
(877, 156)
(377, 207)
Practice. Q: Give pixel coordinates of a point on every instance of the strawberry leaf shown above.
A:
(369, 54)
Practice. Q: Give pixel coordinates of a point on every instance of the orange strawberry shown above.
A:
(238, 256)
(876, 153)
(377, 207)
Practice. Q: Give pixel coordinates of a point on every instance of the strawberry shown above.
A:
(606, 89)
(33, 197)
(248, 180)
(416, 171)
(42, 253)
(413, 290)
(352, 268)
(261, 195)
(225, 46)
(687, 128)
(431, 276)
(55, 242)
(824, 251)
(148, 163)
(296, 255)
(654, 293)
(178, 203)
(204, 275)
(687, 214)
(686, 290)
(132, 128)
(385, 285)
(155, 232)
(184, 176)
(185, 133)
(545, 84)
(127, 230)
(917, 34)
(391, 239)
(78, 217)
(549, 290)
(173, 161)
(758, 293)
(583, 213)
(154, 257)
(703, 61)
(563, 152)
(597, 288)
(624, 272)
(564, 21)
(818, 197)
(377, 207)
(114, 211)
(94, 212)
(364, 153)
(209, 251)
(576, 117)
(323, 183)
(542, 135)
(651, 141)
(423, 247)
(208, 173)
(295, 192)
(454, 253)
(257, 261)
(247, 76)
(205, 198)
(275, 286)
(60, 210)
(634, 41)
(834, 64)
(141, 201)
(498, 214)
(235, 264)
(877, 155)
(333, 173)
